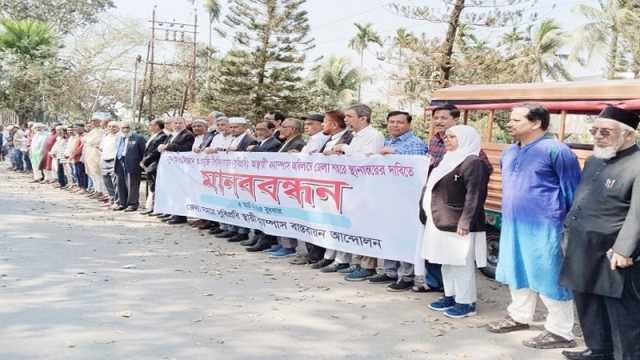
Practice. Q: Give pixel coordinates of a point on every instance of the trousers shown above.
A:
(460, 281)
(610, 324)
(559, 320)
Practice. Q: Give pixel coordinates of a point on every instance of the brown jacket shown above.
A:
(458, 198)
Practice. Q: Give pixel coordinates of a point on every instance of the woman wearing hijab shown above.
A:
(453, 214)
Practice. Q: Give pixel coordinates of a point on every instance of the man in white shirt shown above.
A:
(366, 140)
(109, 149)
(313, 128)
(199, 127)
(223, 138)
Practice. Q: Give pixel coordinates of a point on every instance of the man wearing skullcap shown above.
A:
(603, 241)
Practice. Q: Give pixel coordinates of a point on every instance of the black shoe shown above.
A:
(260, 246)
(119, 208)
(400, 286)
(165, 216)
(166, 219)
(335, 267)
(215, 231)
(322, 263)
(146, 212)
(177, 221)
(250, 242)
(131, 209)
(382, 279)
(239, 238)
(587, 355)
(227, 234)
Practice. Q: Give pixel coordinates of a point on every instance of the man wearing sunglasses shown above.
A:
(603, 241)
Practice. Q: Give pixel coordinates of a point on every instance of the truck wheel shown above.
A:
(493, 248)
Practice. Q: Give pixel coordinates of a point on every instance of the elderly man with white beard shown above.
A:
(603, 242)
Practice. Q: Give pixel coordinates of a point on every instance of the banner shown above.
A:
(366, 205)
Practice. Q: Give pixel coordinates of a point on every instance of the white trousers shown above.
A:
(460, 281)
(149, 204)
(559, 319)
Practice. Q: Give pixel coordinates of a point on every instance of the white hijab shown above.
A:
(469, 143)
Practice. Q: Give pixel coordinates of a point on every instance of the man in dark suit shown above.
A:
(291, 133)
(242, 141)
(130, 149)
(267, 142)
(182, 141)
(151, 158)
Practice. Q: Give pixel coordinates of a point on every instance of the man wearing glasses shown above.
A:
(539, 177)
(603, 241)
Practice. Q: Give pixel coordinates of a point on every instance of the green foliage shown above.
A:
(31, 39)
(333, 83)
(263, 70)
(63, 15)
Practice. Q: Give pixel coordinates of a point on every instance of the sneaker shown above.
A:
(360, 274)
(382, 279)
(400, 286)
(335, 267)
(443, 304)
(460, 311)
(349, 270)
(274, 248)
(284, 252)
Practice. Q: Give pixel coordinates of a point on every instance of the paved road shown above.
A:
(81, 282)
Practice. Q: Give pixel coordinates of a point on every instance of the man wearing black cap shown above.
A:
(313, 129)
(603, 241)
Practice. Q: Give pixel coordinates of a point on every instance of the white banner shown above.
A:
(366, 205)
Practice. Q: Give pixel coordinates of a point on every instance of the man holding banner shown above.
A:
(366, 140)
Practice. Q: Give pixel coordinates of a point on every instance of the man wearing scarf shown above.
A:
(539, 177)
(603, 242)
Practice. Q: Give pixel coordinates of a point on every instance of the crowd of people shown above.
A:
(569, 236)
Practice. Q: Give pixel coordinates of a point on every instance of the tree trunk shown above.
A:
(447, 46)
(262, 66)
(612, 57)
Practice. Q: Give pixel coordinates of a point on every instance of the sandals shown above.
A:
(548, 340)
(506, 325)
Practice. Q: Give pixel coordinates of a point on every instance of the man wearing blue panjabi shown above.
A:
(539, 179)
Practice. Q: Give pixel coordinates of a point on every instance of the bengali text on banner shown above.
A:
(366, 205)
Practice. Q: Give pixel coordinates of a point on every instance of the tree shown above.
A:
(404, 40)
(334, 82)
(486, 13)
(27, 61)
(64, 16)
(536, 56)
(270, 38)
(360, 43)
(603, 31)
(30, 39)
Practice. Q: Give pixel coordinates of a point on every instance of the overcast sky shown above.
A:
(332, 24)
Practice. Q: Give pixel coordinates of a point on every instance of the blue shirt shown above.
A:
(407, 144)
(538, 184)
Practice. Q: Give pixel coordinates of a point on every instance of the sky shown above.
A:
(332, 26)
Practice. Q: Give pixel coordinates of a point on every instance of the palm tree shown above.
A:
(360, 43)
(28, 38)
(214, 9)
(545, 43)
(338, 79)
(603, 31)
(404, 39)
